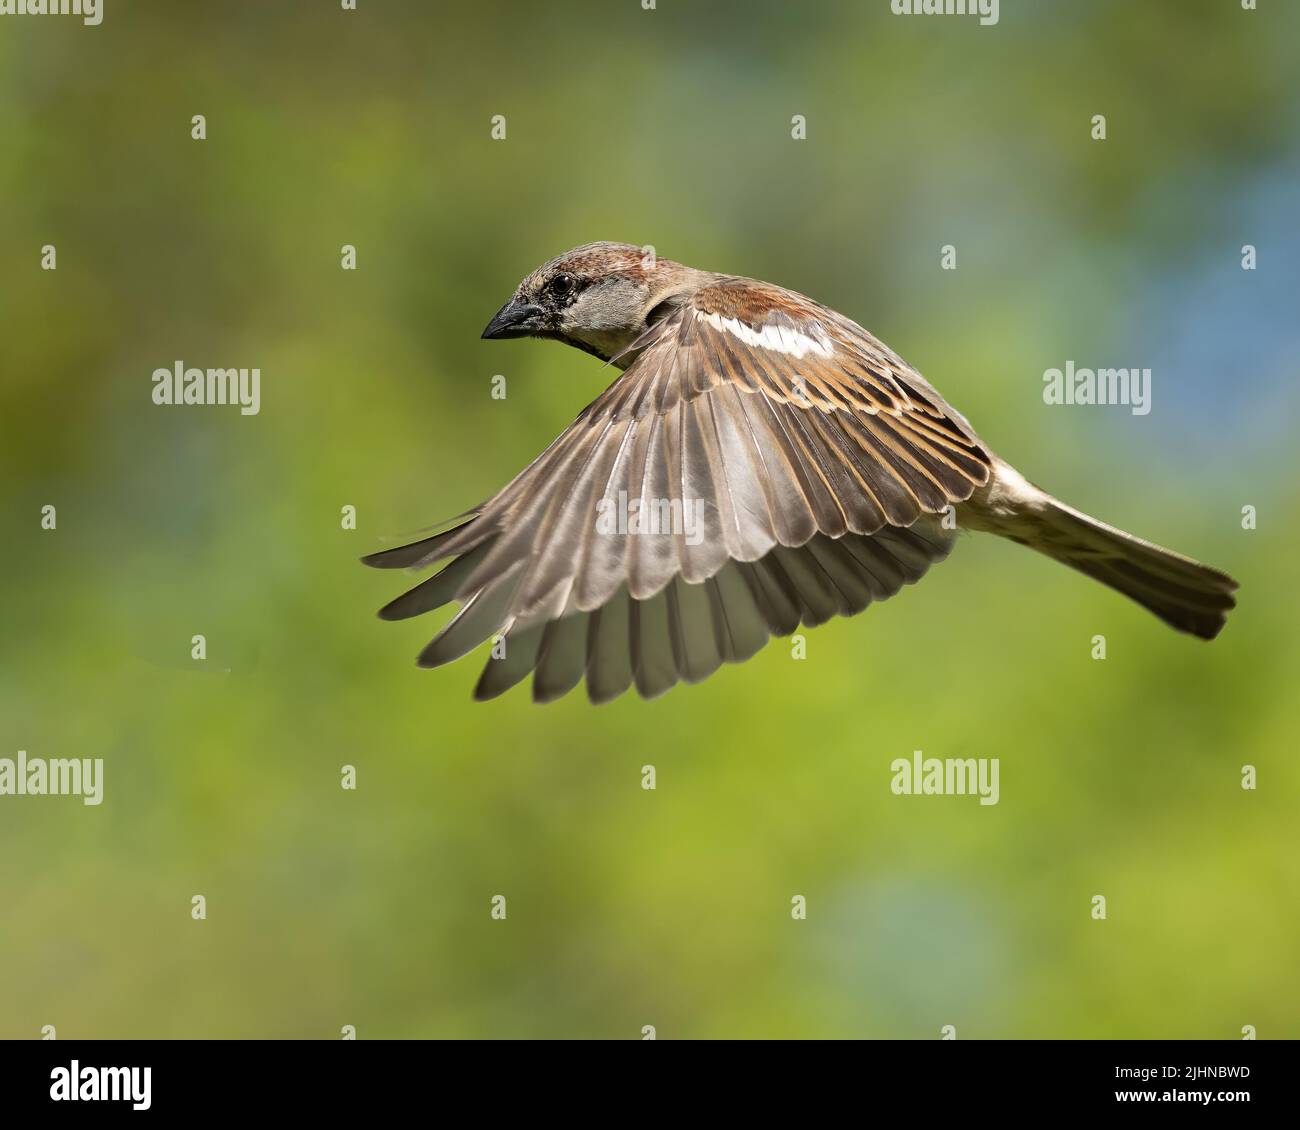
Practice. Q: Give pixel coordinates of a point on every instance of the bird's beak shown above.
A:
(515, 319)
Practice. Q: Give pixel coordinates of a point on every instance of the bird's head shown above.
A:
(599, 297)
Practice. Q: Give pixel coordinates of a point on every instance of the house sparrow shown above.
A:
(761, 462)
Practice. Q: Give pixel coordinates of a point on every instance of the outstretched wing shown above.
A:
(762, 462)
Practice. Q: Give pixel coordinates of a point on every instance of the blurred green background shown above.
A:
(628, 908)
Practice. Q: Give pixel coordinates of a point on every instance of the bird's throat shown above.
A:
(601, 343)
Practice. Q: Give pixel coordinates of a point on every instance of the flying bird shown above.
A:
(761, 462)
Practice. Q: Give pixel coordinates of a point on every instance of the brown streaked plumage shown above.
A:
(819, 460)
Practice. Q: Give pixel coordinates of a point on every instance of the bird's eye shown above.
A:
(561, 285)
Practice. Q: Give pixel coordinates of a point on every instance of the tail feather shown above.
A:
(1184, 593)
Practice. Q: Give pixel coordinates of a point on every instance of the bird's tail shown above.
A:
(1184, 593)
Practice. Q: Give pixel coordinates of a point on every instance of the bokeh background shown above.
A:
(628, 908)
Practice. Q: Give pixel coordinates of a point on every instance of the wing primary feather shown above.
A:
(437, 590)
(479, 617)
(500, 674)
(419, 554)
(697, 649)
(654, 667)
(609, 651)
(562, 658)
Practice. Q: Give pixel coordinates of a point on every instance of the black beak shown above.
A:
(515, 319)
